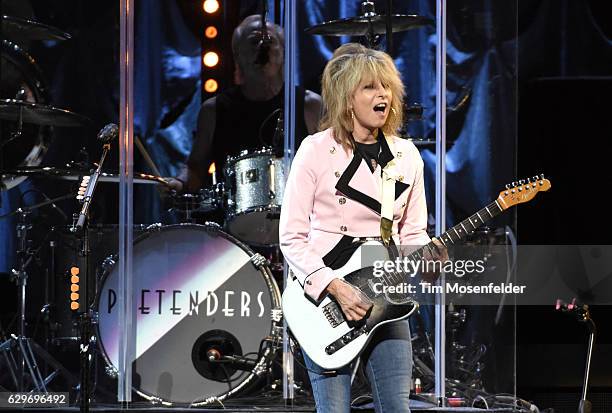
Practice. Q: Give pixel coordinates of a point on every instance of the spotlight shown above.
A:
(211, 6)
(211, 32)
(211, 86)
(211, 59)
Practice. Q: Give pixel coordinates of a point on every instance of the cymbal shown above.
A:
(358, 26)
(22, 29)
(422, 142)
(39, 114)
(74, 174)
(425, 142)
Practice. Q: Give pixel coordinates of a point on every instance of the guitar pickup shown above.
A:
(345, 339)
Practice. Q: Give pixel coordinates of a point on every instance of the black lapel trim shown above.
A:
(400, 187)
(343, 185)
(384, 158)
(341, 253)
(386, 155)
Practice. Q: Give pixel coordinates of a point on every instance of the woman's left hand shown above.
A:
(437, 254)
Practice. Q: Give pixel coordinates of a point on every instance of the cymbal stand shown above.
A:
(26, 356)
(367, 10)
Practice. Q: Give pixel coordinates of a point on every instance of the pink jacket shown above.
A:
(331, 192)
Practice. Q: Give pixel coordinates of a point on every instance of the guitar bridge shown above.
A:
(333, 314)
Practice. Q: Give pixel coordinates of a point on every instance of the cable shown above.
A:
(263, 123)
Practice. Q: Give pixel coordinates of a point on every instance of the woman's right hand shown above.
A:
(354, 303)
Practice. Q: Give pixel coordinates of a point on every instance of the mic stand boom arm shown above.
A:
(91, 187)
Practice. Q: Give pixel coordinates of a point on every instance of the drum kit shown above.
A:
(207, 304)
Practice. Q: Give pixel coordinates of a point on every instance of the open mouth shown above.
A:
(381, 107)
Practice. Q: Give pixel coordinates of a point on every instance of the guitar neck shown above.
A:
(460, 231)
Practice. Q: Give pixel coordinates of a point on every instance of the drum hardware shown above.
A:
(369, 24)
(39, 114)
(23, 80)
(191, 206)
(259, 261)
(28, 351)
(23, 29)
(74, 175)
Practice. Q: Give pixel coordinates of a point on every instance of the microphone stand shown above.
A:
(585, 317)
(85, 316)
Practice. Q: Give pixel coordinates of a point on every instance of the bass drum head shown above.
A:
(195, 289)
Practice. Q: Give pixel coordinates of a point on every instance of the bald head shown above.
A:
(246, 45)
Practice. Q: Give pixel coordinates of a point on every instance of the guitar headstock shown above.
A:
(522, 191)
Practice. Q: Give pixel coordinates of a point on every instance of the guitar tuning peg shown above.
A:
(521, 181)
(514, 184)
(535, 178)
(507, 186)
(541, 176)
(528, 180)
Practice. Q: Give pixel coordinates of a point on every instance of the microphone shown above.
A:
(108, 133)
(264, 43)
(234, 361)
(213, 355)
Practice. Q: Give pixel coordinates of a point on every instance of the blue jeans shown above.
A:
(388, 365)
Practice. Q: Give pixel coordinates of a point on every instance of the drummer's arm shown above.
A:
(313, 108)
(193, 176)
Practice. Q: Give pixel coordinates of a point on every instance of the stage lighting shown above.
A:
(211, 32)
(74, 288)
(211, 59)
(211, 86)
(211, 6)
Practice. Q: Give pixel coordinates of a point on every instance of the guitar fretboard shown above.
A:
(452, 236)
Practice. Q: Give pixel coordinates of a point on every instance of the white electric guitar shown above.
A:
(322, 330)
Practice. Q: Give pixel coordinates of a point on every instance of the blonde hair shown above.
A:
(351, 64)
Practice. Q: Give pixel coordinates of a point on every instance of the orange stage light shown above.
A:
(211, 32)
(211, 86)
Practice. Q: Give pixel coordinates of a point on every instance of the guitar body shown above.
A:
(322, 330)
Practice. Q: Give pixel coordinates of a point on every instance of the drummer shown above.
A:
(244, 117)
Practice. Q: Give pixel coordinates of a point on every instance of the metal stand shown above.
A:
(582, 313)
(26, 348)
(106, 135)
(585, 405)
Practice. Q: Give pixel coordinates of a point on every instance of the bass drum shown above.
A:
(197, 293)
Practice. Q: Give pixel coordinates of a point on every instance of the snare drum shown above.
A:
(255, 182)
(196, 290)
